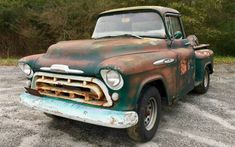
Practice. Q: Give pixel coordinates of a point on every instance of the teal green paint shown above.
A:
(201, 64)
(76, 111)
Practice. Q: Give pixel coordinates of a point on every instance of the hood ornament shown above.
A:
(60, 68)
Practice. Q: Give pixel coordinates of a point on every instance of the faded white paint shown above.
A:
(76, 111)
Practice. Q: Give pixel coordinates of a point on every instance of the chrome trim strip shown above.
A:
(61, 69)
(164, 61)
(109, 102)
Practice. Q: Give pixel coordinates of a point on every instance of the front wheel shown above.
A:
(149, 112)
(204, 86)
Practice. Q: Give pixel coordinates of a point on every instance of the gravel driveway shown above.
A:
(196, 120)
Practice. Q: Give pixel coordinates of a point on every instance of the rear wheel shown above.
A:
(204, 86)
(149, 112)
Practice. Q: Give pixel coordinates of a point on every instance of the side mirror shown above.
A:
(178, 35)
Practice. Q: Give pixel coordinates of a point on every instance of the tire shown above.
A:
(149, 112)
(204, 86)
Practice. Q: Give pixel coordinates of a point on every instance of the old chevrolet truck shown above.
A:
(138, 59)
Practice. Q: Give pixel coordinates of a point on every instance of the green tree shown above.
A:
(30, 26)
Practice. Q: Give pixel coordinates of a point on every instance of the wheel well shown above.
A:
(161, 88)
(210, 68)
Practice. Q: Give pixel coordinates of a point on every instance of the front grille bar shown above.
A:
(80, 89)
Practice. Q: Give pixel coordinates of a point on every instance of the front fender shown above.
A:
(31, 60)
(151, 80)
(138, 70)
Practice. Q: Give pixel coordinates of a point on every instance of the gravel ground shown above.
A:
(196, 120)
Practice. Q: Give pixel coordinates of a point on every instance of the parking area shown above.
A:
(196, 120)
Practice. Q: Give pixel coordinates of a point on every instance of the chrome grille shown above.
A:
(75, 88)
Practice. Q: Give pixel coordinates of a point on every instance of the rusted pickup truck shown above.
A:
(138, 59)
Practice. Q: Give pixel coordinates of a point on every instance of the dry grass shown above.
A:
(8, 61)
(224, 60)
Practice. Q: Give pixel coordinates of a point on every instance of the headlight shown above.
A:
(112, 78)
(26, 69)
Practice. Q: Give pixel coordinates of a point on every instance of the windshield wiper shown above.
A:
(125, 35)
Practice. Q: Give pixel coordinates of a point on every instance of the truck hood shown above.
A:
(87, 55)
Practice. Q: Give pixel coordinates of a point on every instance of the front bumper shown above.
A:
(76, 111)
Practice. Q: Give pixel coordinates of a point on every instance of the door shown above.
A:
(185, 54)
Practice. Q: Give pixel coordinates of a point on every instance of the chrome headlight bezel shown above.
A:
(112, 78)
(26, 69)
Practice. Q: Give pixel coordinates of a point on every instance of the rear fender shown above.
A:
(204, 58)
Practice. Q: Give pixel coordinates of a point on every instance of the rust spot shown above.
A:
(113, 121)
(183, 66)
(204, 53)
(72, 89)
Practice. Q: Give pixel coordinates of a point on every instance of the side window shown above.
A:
(173, 24)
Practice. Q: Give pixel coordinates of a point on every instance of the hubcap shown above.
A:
(150, 113)
(206, 79)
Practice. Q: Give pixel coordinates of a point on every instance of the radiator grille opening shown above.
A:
(72, 89)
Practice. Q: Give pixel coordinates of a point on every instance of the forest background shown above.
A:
(31, 26)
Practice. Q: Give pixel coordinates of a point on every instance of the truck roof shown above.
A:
(160, 9)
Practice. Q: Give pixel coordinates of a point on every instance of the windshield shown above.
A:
(143, 24)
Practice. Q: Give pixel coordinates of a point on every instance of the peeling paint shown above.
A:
(75, 111)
